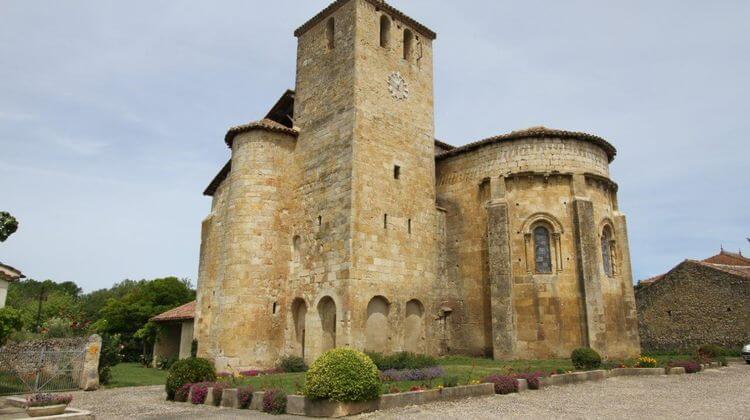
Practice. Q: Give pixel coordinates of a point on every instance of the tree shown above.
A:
(8, 225)
(128, 314)
(10, 321)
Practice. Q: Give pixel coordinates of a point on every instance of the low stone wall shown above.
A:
(635, 372)
(301, 406)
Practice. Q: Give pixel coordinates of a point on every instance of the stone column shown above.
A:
(587, 252)
(90, 371)
(626, 274)
(500, 275)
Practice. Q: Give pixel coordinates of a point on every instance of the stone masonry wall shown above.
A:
(394, 220)
(694, 305)
(550, 312)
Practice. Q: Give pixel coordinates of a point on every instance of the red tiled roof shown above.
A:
(180, 313)
(728, 258)
(264, 124)
(377, 3)
(532, 133)
(9, 273)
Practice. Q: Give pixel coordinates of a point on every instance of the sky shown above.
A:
(113, 114)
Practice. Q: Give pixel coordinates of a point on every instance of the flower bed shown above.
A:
(689, 365)
(393, 375)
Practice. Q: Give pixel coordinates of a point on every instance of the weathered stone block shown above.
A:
(229, 398)
(523, 385)
(257, 402)
(636, 372)
(676, 371)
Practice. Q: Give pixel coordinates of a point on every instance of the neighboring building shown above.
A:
(8, 275)
(175, 333)
(341, 221)
(695, 303)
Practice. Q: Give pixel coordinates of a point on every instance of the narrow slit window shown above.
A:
(331, 33)
(320, 220)
(396, 172)
(408, 41)
(408, 226)
(607, 251)
(385, 31)
(385, 221)
(542, 251)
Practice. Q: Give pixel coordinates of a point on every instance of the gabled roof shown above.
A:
(395, 13)
(180, 313)
(741, 270)
(9, 273)
(532, 133)
(728, 258)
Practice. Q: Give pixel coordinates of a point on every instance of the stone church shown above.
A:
(341, 221)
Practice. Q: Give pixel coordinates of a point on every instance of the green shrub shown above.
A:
(109, 356)
(711, 352)
(402, 360)
(166, 363)
(585, 358)
(10, 321)
(292, 364)
(187, 371)
(344, 375)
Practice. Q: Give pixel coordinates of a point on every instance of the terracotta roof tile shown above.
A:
(531, 133)
(264, 124)
(728, 258)
(180, 313)
(9, 273)
(377, 3)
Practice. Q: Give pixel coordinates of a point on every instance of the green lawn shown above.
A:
(467, 369)
(134, 374)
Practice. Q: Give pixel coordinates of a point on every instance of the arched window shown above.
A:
(330, 33)
(607, 251)
(385, 31)
(408, 40)
(542, 252)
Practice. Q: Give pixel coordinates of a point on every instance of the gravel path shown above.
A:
(716, 393)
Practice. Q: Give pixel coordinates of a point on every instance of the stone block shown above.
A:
(90, 372)
(575, 377)
(209, 396)
(467, 391)
(229, 398)
(523, 385)
(636, 372)
(295, 405)
(257, 402)
(676, 371)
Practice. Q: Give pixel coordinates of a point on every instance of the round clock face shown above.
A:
(397, 86)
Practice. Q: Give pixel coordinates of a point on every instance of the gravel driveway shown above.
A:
(716, 393)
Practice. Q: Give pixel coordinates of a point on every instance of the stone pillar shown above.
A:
(626, 274)
(90, 371)
(587, 252)
(500, 275)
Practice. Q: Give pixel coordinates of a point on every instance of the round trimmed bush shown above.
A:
(585, 358)
(188, 371)
(344, 375)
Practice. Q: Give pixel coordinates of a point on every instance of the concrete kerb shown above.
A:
(636, 372)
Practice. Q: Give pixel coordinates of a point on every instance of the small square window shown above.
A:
(396, 172)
